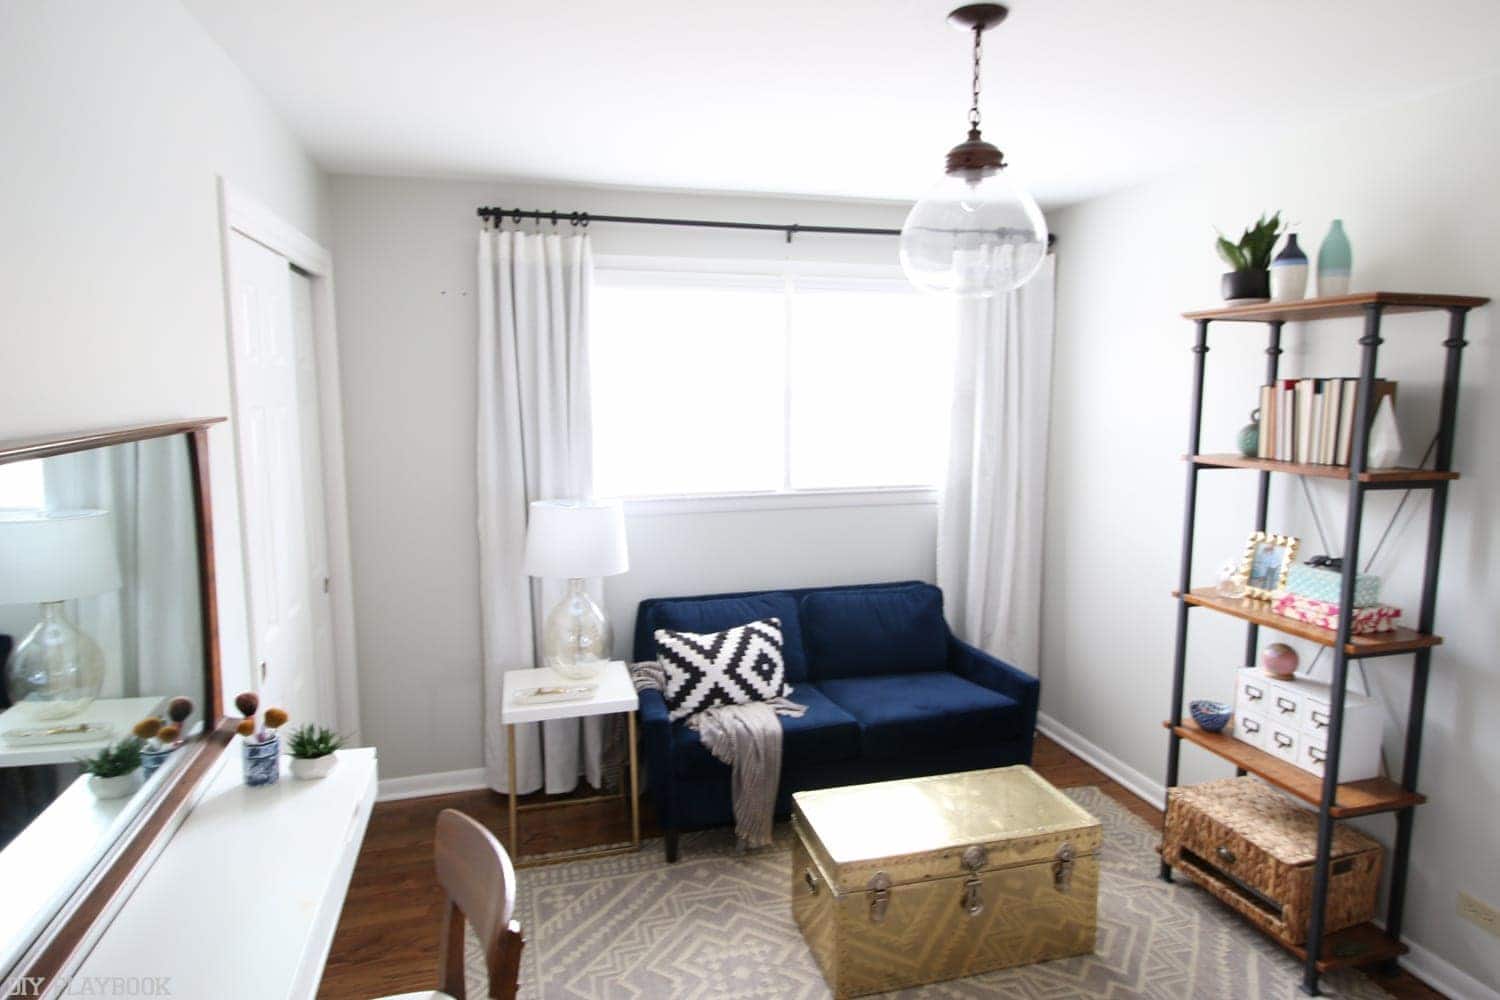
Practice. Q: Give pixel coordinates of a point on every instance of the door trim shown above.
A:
(240, 213)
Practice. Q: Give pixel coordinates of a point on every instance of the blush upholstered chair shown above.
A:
(477, 875)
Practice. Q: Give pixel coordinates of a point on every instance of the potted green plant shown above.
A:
(1250, 258)
(112, 770)
(312, 748)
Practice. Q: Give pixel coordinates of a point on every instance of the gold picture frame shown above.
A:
(1268, 559)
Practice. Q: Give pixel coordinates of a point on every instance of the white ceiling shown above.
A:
(839, 98)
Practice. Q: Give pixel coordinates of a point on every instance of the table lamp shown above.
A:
(576, 540)
(48, 557)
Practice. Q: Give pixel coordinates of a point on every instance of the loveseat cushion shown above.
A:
(908, 715)
(714, 614)
(867, 632)
(826, 733)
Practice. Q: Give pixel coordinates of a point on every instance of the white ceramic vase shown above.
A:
(1384, 450)
(313, 768)
(116, 787)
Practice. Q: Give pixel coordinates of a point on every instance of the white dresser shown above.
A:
(1289, 719)
(243, 901)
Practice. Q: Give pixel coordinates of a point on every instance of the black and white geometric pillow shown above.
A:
(733, 667)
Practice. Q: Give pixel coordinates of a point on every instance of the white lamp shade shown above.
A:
(576, 538)
(56, 555)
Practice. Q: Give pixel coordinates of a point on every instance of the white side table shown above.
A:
(119, 714)
(616, 693)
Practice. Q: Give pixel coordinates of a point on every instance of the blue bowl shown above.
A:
(1211, 716)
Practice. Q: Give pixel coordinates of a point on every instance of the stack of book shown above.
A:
(1311, 420)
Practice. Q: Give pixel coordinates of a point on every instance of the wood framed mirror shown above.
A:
(107, 618)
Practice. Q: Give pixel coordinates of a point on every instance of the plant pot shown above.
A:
(312, 768)
(262, 761)
(116, 787)
(1246, 286)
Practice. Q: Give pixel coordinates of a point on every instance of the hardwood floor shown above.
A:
(387, 938)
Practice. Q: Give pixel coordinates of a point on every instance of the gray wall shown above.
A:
(116, 122)
(405, 255)
(1416, 188)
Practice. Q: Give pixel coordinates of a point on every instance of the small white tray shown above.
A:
(61, 731)
(582, 691)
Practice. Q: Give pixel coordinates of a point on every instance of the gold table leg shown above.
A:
(565, 856)
(635, 795)
(510, 755)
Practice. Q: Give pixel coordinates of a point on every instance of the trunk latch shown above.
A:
(880, 896)
(1062, 868)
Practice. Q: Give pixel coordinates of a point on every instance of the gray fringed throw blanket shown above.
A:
(748, 739)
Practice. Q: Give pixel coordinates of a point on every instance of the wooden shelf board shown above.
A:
(1362, 944)
(1228, 461)
(1355, 798)
(1337, 306)
(1398, 640)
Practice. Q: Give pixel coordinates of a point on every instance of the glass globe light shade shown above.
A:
(976, 234)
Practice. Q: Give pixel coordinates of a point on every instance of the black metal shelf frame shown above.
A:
(1448, 409)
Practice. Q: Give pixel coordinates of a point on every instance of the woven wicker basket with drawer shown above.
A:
(1254, 850)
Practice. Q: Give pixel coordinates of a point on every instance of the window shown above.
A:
(21, 485)
(710, 383)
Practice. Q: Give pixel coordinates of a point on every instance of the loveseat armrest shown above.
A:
(994, 673)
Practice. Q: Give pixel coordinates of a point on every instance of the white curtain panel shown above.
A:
(151, 629)
(535, 443)
(989, 561)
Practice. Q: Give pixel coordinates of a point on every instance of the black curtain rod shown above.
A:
(497, 215)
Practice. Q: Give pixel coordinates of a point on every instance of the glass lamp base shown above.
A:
(576, 637)
(57, 669)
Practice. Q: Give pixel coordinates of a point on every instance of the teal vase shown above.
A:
(1335, 262)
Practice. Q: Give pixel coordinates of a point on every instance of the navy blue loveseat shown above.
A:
(890, 693)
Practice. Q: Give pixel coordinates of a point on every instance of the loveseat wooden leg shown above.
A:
(669, 841)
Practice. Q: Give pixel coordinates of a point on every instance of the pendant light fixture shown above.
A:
(975, 234)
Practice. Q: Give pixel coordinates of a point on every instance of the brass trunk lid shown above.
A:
(942, 826)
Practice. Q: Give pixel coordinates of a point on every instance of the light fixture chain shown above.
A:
(974, 107)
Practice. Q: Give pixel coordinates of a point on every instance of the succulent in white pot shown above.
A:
(112, 771)
(314, 751)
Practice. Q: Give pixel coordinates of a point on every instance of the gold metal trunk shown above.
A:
(900, 883)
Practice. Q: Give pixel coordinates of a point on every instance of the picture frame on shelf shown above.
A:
(1267, 561)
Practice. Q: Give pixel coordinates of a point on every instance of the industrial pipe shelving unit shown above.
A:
(1365, 944)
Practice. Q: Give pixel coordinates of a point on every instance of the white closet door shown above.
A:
(276, 427)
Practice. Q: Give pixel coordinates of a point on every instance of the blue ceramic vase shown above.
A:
(1335, 262)
(1289, 272)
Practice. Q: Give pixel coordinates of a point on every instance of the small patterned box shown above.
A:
(1379, 618)
(1322, 584)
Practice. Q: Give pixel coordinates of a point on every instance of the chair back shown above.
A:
(476, 873)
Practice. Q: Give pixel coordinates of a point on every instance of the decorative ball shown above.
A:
(1249, 436)
(1279, 660)
(1211, 716)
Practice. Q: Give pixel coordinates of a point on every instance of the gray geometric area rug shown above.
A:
(719, 925)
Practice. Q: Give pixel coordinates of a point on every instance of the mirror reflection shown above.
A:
(101, 636)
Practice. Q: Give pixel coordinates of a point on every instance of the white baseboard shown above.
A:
(1142, 785)
(1435, 971)
(418, 786)
(1443, 976)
